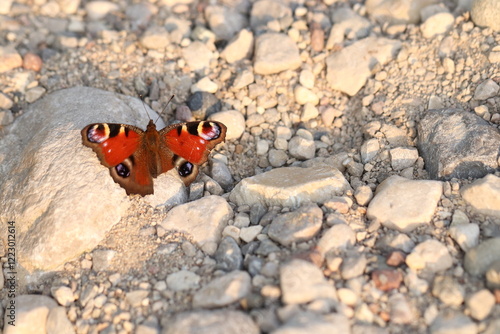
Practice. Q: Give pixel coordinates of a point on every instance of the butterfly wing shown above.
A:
(119, 148)
(190, 144)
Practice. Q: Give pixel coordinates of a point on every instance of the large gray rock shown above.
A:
(62, 200)
(457, 144)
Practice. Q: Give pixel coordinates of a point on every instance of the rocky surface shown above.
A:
(357, 190)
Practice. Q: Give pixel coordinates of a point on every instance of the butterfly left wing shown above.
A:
(118, 147)
(191, 144)
(113, 143)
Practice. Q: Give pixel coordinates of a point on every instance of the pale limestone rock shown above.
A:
(349, 68)
(223, 290)
(30, 314)
(404, 204)
(290, 186)
(62, 181)
(484, 195)
(275, 53)
(203, 220)
(302, 282)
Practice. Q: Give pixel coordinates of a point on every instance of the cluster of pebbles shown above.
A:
(358, 190)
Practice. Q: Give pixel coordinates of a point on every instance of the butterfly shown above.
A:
(134, 157)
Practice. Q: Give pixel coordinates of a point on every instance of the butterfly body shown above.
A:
(134, 157)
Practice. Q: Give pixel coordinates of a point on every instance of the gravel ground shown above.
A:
(397, 246)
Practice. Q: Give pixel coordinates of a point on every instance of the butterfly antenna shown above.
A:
(168, 102)
(144, 105)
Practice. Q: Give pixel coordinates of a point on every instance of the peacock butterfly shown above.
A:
(134, 157)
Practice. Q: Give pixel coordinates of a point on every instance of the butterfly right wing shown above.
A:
(190, 144)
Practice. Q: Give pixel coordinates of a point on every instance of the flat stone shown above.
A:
(290, 186)
(369, 150)
(30, 315)
(363, 195)
(486, 90)
(400, 309)
(63, 294)
(102, 259)
(353, 265)
(396, 12)
(479, 259)
(5, 102)
(403, 157)
(265, 11)
(58, 322)
(34, 94)
(207, 322)
(453, 322)
(394, 135)
(457, 144)
(183, 280)
(248, 234)
(307, 79)
(304, 95)
(337, 237)
(437, 24)
(301, 148)
(243, 79)
(155, 38)
(136, 297)
(205, 85)
(239, 48)
(197, 56)
(349, 68)
(465, 235)
(277, 158)
(431, 256)
(347, 23)
(203, 220)
(297, 226)
(493, 276)
(140, 14)
(449, 291)
(309, 322)
(302, 282)
(223, 290)
(275, 53)
(404, 204)
(484, 195)
(5, 7)
(228, 255)
(9, 59)
(480, 304)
